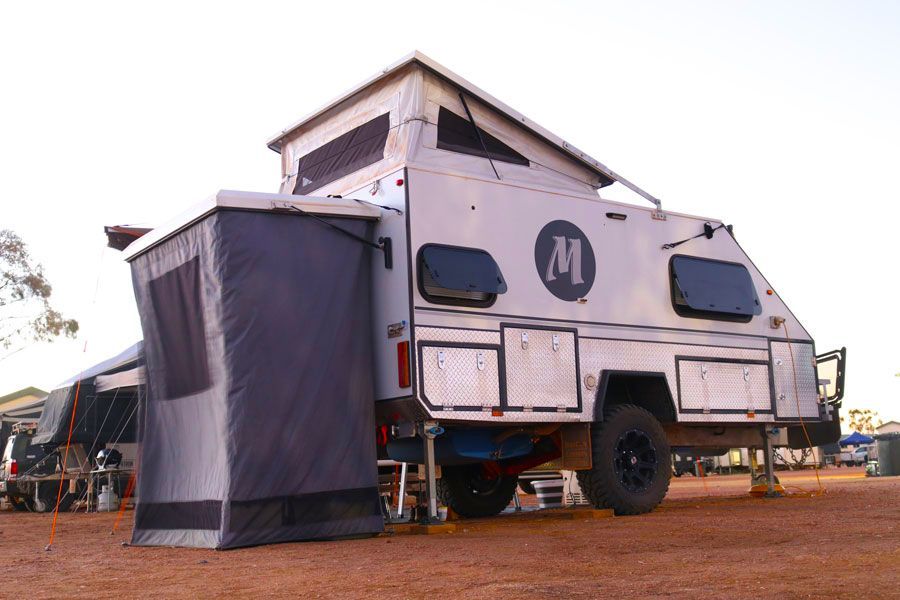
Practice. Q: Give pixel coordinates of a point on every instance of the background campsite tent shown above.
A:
(856, 439)
(27, 411)
(22, 405)
(107, 403)
(20, 398)
(259, 423)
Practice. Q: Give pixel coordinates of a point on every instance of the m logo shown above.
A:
(565, 260)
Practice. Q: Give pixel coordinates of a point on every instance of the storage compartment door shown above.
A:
(460, 377)
(711, 386)
(541, 369)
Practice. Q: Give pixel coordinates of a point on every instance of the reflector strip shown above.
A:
(403, 364)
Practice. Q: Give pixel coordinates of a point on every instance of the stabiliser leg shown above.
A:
(430, 430)
(769, 451)
(404, 471)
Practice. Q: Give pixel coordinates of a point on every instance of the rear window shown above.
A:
(16, 446)
(456, 134)
(713, 289)
(343, 155)
(454, 275)
(7, 450)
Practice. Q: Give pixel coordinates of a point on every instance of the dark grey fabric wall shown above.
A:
(280, 445)
(182, 477)
(53, 426)
(99, 418)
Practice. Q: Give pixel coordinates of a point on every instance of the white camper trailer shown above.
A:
(519, 317)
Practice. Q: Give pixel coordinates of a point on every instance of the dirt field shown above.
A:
(843, 544)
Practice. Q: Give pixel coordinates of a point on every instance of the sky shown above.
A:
(782, 119)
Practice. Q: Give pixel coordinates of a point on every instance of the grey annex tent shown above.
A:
(259, 421)
(108, 395)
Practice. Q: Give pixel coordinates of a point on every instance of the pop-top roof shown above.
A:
(276, 141)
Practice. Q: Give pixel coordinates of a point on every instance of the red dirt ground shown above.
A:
(704, 542)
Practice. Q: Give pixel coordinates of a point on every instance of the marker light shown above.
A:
(399, 182)
(403, 364)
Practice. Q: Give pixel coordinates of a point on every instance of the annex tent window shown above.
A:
(456, 134)
(343, 155)
(175, 297)
(463, 276)
(713, 289)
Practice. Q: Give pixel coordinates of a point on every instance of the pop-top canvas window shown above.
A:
(175, 297)
(457, 134)
(343, 155)
(713, 289)
(452, 275)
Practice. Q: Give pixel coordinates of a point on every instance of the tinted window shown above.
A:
(20, 445)
(343, 155)
(182, 333)
(457, 135)
(451, 275)
(713, 289)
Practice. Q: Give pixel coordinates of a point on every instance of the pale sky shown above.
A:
(782, 119)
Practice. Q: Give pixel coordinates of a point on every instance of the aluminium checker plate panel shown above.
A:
(597, 355)
(727, 386)
(460, 375)
(541, 368)
(802, 355)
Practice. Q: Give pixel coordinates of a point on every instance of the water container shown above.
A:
(888, 454)
(549, 493)
(108, 500)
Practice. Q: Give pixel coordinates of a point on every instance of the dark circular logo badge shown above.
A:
(565, 260)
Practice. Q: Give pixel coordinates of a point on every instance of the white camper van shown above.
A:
(519, 317)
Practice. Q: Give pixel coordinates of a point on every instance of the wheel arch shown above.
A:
(646, 389)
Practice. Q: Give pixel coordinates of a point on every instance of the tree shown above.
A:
(863, 420)
(25, 311)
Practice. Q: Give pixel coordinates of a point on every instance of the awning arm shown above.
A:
(634, 188)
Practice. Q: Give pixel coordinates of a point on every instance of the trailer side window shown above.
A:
(456, 134)
(462, 276)
(712, 289)
(343, 155)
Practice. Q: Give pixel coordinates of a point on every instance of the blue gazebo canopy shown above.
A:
(856, 439)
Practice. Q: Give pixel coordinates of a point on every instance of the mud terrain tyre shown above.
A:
(631, 466)
(464, 489)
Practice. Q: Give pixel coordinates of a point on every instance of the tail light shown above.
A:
(381, 435)
(403, 364)
(13, 469)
